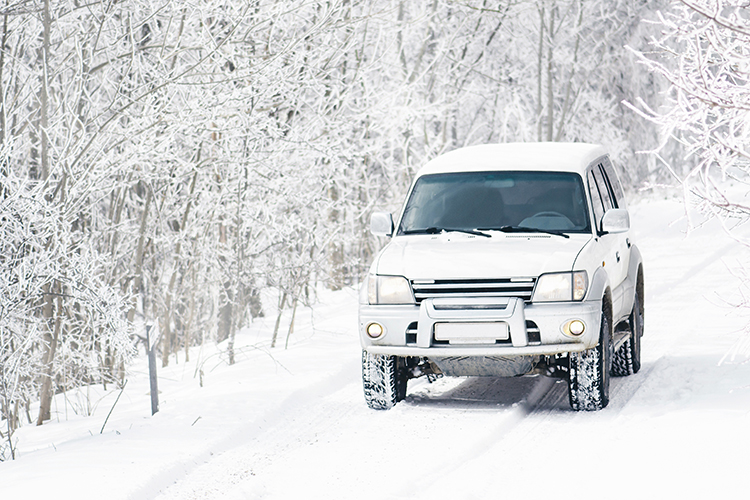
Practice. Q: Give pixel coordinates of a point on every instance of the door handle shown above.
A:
(617, 254)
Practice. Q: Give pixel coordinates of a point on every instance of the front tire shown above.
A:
(588, 373)
(384, 380)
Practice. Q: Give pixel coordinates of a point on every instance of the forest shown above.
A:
(165, 162)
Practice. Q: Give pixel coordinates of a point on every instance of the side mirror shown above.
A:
(616, 220)
(381, 224)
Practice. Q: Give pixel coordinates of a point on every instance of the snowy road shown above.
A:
(678, 428)
(293, 423)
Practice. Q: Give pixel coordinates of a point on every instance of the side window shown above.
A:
(596, 200)
(614, 182)
(601, 183)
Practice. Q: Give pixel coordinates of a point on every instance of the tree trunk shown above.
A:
(282, 301)
(291, 323)
(540, 62)
(191, 316)
(225, 314)
(46, 392)
(169, 340)
(336, 251)
(571, 74)
(550, 88)
(44, 91)
(138, 273)
(51, 336)
(3, 110)
(166, 333)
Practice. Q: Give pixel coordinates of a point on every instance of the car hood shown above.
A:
(461, 256)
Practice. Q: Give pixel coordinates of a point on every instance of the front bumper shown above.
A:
(534, 329)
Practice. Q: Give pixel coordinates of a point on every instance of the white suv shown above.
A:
(507, 260)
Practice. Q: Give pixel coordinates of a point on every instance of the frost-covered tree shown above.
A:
(704, 52)
(25, 272)
(66, 94)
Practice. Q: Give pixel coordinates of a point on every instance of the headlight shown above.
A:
(561, 287)
(389, 290)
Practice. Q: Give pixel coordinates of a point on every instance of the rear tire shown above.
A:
(588, 373)
(627, 359)
(384, 380)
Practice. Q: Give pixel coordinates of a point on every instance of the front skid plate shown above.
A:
(486, 366)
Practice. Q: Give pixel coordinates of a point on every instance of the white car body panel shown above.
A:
(445, 256)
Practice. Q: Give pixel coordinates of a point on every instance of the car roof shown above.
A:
(531, 156)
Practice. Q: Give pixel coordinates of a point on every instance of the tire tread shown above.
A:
(380, 380)
(588, 374)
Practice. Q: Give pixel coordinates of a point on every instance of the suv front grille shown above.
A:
(516, 287)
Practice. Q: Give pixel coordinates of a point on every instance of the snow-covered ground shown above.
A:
(292, 423)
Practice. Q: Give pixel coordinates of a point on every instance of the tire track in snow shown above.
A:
(542, 398)
(168, 483)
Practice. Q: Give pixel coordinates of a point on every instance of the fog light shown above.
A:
(375, 330)
(574, 327)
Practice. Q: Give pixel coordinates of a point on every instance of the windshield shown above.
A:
(467, 201)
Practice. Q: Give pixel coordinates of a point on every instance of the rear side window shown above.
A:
(604, 190)
(614, 182)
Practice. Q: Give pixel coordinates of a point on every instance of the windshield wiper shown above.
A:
(438, 230)
(523, 229)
